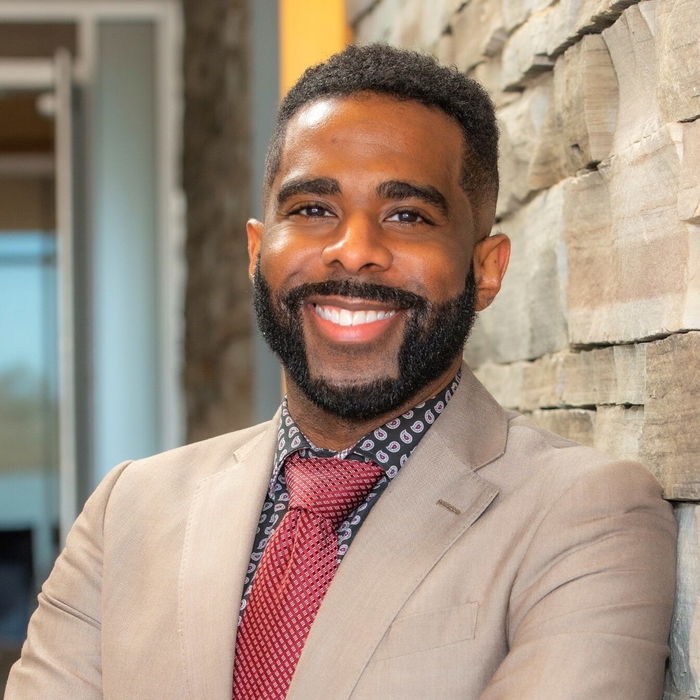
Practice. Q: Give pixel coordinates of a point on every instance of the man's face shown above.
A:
(361, 267)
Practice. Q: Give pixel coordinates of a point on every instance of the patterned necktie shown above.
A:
(296, 568)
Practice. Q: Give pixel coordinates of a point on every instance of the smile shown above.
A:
(345, 317)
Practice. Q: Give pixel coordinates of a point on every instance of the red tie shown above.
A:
(296, 568)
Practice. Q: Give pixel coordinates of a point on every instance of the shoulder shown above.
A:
(174, 474)
(548, 467)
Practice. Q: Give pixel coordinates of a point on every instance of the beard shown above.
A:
(433, 337)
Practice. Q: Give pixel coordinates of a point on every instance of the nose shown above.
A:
(358, 245)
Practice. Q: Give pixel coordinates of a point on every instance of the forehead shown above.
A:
(342, 132)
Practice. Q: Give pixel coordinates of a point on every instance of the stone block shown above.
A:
(504, 382)
(632, 47)
(379, 23)
(517, 12)
(579, 127)
(527, 319)
(478, 31)
(588, 16)
(412, 24)
(689, 179)
(418, 25)
(683, 680)
(355, 9)
(525, 53)
(444, 49)
(612, 376)
(488, 73)
(534, 45)
(631, 260)
(615, 430)
(671, 439)
(573, 423)
(678, 51)
(604, 376)
(540, 383)
(521, 123)
(618, 430)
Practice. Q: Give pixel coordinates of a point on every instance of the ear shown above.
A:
(491, 255)
(254, 230)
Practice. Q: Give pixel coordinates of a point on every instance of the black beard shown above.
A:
(434, 336)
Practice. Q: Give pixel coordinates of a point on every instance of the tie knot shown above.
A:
(329, 487)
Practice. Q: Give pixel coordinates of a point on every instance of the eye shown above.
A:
(409, 216)
(311, 211)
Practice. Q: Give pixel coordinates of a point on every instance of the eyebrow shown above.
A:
(398, 189)
(321, 186)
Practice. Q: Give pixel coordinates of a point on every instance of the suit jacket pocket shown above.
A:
(427, 630)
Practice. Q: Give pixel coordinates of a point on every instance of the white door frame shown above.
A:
(166, 16)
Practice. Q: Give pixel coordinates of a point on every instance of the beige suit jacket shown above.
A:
(502, 562)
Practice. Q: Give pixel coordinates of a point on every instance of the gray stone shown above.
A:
(527, 318)
(503, 381)
(605, 376)
(618, 430)
(678, 59)
(612, 376)
(689, 180)
(633, 52)
(517, 12)
(576, 424)
(521, 123)
(354, 9)
(534, 45)
(579, 127)
(525, 52)
(478, 31)
(671, 439)
(378, 24)
(684, 669)
(622, 224)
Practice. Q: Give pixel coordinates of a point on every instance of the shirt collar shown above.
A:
(389, 445)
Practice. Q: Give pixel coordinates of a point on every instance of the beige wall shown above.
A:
(596, 332)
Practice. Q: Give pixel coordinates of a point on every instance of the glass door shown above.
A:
(37, 431)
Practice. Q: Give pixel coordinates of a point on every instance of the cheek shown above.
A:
(442, 274)
(284, 256)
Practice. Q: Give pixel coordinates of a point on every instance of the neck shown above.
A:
(331, 432)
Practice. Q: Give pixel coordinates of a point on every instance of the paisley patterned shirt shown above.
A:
(389, 446)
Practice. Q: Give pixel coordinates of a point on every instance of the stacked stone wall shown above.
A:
(596, 333)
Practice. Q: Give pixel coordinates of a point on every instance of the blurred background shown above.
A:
(132, 138)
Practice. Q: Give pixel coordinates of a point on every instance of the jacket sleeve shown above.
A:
(61, 657)
(591, 604)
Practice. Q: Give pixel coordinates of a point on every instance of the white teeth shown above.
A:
(345, 317)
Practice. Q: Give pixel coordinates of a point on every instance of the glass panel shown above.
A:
(28, 366)
(28, 424)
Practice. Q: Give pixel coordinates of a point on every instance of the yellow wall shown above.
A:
(310, 31)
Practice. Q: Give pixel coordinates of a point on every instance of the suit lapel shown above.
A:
(221, 527)
(434, 499)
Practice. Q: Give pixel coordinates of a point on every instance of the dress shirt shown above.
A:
(389, 446)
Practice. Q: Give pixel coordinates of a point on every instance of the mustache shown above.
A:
(397, 298)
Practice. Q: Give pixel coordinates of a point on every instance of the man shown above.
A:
(480, 557)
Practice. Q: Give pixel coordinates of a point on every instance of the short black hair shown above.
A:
(403, 75)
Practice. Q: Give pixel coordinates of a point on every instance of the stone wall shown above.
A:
(218, 337)
(596, 331)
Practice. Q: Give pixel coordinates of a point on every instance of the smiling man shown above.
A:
(392, 532)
